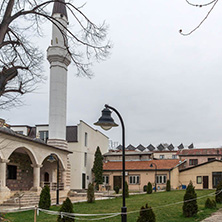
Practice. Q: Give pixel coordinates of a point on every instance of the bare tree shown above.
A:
(211, 3)
(20, 58)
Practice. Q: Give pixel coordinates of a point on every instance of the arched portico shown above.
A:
(25, 157)
(52, 171)
(20, 171)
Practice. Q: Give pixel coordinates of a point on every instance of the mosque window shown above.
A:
(86, 138)
(11, 172)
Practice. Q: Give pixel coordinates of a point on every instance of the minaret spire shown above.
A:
(60, 7)
(59, 60)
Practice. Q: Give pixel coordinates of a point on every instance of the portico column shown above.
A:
(36, 177)
(3, 164)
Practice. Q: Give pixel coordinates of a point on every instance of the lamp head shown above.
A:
(106, 121)
(51, 158)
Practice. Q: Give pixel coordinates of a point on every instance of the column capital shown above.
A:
(36, 165)
(4, 160)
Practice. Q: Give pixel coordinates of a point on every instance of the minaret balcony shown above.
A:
(58, 54)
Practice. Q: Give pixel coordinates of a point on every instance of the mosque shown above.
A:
(56, 155)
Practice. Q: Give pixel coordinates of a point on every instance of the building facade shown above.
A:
(24, 165)
(82, 142)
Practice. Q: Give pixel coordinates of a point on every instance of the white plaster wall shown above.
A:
(95, 138)
(57, 107)
(41, 128)
(20, 128)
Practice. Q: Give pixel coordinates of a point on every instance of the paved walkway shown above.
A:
(215, 217)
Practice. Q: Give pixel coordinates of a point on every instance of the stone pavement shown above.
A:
(215, 217)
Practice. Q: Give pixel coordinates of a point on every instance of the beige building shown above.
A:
(198, 156)
(139, 173)
(204, 176)
(129, 155)
(165, 154)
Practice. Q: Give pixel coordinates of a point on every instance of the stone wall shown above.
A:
(24, 175)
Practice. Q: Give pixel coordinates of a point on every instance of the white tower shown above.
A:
(59, 60)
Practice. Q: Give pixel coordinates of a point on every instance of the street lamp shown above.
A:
(107, 122)
(151, 165)
(53, 157)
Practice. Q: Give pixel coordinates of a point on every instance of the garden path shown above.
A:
(215, 217)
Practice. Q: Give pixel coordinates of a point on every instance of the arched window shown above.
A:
(46, 177)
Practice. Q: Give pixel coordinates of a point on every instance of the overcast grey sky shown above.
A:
(167, 87)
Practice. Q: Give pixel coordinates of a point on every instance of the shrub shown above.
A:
(126, 189)
(67, 206)
(145, 188)
(168, 187)
(90, 193)
(210, 203)
(218, 196)
(190, 208)
(45, 199)
(149, 188)
(146, 214)
(116, 188)
(98, 168)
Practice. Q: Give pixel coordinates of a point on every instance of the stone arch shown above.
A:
(59, 158)
(51, 169)
(20, 175)
(30, 153)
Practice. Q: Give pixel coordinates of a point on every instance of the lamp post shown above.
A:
(53, 157)
(107, 122)
(151, 165)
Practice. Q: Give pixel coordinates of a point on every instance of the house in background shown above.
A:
(198, 156)
(139, 173)
(202, 166)
(82, 141)
(206, 175)
(129, 155)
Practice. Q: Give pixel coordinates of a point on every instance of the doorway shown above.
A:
(205, 182)
(83, 181)
(117, 181)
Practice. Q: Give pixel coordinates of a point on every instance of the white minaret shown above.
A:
(59, 60)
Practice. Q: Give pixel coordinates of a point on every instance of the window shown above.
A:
(11, 172)
(199, 179)
(210, 159)
(161, 156)
(193, 162)
(174, 156)
(106, 179)
(134, 179)
(161, 179)
(85, 159)
(86, 135)
(217, 177)
(44, 135)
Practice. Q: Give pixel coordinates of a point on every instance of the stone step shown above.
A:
(27, 199)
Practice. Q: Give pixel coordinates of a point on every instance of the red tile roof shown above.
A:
(199, 152)
(164, 164)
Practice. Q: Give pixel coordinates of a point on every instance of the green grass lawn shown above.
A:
(158, 201)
